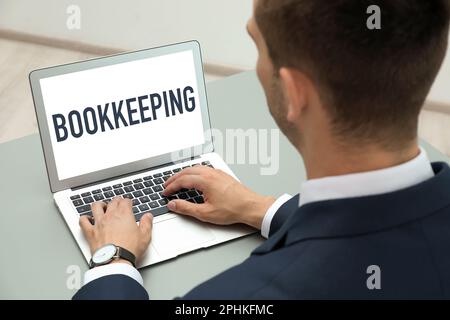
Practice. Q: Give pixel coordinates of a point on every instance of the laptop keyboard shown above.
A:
(145, 193)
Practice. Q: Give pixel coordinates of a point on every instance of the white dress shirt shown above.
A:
(354, 185)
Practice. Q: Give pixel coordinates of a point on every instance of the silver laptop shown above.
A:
(120, 126)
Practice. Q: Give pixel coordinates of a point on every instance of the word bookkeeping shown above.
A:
(123, 113)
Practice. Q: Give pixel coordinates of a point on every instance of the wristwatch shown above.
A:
(110, 252)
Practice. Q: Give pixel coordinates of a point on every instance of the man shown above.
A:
(348, 98)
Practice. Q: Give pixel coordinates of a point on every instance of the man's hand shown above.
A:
(226, 200)
(117, 226)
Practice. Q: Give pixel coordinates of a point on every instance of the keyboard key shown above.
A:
(107, 189)
(84, 208)
(163, 202)
(147, 191)
(136, 202)
(157, 189)
(139, 186)
(138, 194)
(167, 172)
(137, 180)
(158, 181)
(205, 163)
(85, 194)
(97, 191)
(98, 197)
(144, 199)
(135, 210)
(119, 185)
(199, 199)
(107, 200)
(88, 200)
(138, 216)
(176, 170)
(77, 202)
(166, 178)
(143, 207)
(128, 196)
(128, 189)
(192, 193)
(158, 175)
(118, 192)
(87, 213)
(195, 164)
(153, 205)
(147, 178)
(184, 190)
(174, 197)
(75, 197)
(186, 167)
(154, 196)
(183, 195)
(159, 211)
(128, 183)
(148, 184)
(108, 194)
(191, 200)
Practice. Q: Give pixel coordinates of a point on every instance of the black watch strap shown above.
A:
(126, 255)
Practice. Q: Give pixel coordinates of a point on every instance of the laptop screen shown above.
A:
(114, 115)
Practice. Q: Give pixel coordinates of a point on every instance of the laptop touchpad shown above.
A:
(180, 234)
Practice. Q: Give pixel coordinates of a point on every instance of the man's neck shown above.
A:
(336, 161)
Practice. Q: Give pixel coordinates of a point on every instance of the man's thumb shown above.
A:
(183, 207)
(146, 223)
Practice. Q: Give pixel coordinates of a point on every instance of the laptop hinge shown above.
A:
(132, 173)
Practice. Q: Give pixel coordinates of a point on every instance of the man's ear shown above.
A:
(294, 86)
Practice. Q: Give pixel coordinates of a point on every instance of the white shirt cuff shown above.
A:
(113, 268)
(265, 227)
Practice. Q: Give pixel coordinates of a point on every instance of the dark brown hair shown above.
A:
(372, 82)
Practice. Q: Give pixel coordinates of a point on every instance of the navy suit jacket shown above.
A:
(323, 250)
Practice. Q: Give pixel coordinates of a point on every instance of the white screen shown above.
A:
(68, 98)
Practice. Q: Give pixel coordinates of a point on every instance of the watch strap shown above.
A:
(126, 255)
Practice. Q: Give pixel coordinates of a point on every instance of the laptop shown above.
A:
(120, 126)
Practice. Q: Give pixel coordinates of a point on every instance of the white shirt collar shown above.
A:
(368, 183)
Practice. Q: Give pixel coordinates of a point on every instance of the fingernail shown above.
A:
(172, 205)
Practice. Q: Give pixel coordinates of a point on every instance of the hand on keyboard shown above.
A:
(115, 223)
(226, 201)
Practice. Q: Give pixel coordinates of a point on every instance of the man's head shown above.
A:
(321, 67)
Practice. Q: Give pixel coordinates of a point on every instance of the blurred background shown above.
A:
(36, 34)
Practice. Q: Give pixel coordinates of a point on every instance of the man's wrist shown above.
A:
(255, 210)
(120, 260)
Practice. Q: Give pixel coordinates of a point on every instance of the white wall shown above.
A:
(441, 89)
(219, 25)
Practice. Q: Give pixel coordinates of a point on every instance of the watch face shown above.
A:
(104, 254)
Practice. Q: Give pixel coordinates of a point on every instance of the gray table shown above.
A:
(38, 249)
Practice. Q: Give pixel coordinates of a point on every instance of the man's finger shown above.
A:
(185, 182)
(114, 203)
(188, 171)
(186, 208)
(146, 226)
(86, 227)
(126, 205)
(98, 210)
